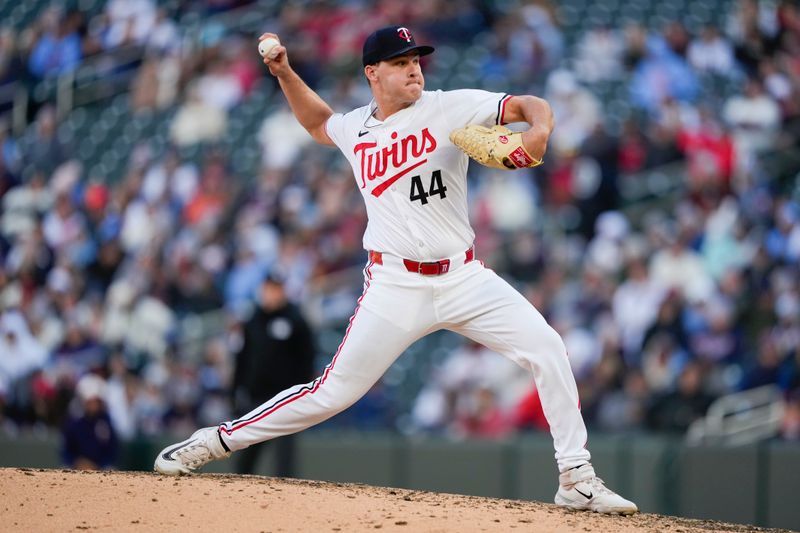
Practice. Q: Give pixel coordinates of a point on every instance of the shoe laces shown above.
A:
(195, 455)
(598, 485)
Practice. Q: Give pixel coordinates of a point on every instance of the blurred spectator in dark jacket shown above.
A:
(766, 369)
(101, 272)
(78, 351)
(623, 409)
(277, 351)
(44, 150)
(90, 442)
(713, 335)
(789, 379)
(9, 150)
(12, 67)
(675, 411)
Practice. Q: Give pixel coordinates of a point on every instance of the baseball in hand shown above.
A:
(268, 47)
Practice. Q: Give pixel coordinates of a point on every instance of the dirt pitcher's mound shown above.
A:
(66, 500)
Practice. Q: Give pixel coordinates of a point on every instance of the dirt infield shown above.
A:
(65, 500)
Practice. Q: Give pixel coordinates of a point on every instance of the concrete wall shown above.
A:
(752, 484)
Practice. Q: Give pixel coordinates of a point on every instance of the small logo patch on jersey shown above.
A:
(503, 139)
(280, 329)
(520, 158)
(362, 133)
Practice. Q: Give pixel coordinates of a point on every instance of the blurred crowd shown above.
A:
(664, 303)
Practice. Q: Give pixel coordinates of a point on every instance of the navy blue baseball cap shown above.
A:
(389, 42)
(275, 276)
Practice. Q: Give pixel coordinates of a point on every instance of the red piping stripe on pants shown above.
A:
(318, 382)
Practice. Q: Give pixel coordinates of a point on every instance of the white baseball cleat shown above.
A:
(204, 446)
(581, 489)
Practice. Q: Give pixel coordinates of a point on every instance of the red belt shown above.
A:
(433, 268)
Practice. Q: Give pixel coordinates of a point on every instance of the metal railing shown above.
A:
(740, 418)
(14, 96)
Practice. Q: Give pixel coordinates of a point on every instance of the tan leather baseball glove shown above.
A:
(496, 147)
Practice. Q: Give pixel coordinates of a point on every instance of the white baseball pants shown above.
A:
(398, 307)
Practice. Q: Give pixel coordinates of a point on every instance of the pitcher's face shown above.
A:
(399, 78)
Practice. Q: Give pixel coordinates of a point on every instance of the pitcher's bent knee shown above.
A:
(338, 393)
(543, 346)
(336, 404)
(540, 336)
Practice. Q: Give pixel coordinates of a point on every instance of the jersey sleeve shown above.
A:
(474, 106)
(335, 128)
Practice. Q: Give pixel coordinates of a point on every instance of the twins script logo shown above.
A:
(404, 33)
(375, 163)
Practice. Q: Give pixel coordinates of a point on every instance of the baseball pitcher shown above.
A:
(409, 150)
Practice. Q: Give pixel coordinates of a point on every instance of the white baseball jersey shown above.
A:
(412, 177)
